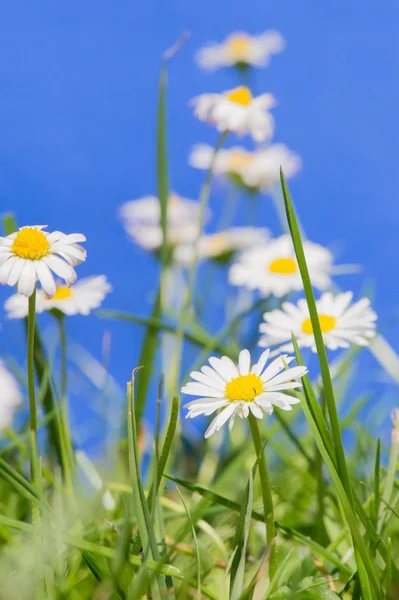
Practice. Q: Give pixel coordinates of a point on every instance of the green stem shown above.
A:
(34, 453)
(268, 509)
(192, 274)
(65, 438)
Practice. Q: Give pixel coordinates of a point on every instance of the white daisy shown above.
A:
(273, 268)
(31, 254)
(238, 111)
(79, 299)
(237, 390)
(142, 221)
(259, 169)
(241, 49)
(341, 323)
(222, 245)
(10, 396)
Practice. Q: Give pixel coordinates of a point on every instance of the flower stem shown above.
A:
(34, 451)
(65, 437)
(268, 510)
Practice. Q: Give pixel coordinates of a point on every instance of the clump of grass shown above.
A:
(204, 519)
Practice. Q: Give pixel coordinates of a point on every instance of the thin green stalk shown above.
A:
(185, 312)
(34, 450)
(268, 509)
(66, 444)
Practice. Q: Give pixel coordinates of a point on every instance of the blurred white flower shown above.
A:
(222, 245)
(10, 396)
(341, 323)
(31, 254)
(241, 49)
(79, 299)
(237, 111)
(273, 269)
(241, 389)
(259, 169)
(142, 221)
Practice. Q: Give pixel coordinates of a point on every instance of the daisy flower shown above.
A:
(10, 396)
(222, 245)
(273, 269)
(31, 254)
(79, 299)
(238, 390)
(237, 111)
(241, 49)
(258, 170)
(142, 221)
(342, 323)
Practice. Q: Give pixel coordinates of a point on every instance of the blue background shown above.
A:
(78, 95)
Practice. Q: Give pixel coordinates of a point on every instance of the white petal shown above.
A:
(288, 375)
(256, 410)
(220, 420)
(244, 362)
(27, 279)
(199, 389)
(276, 366)
(46, 279)
(61, 268)
(257, 369)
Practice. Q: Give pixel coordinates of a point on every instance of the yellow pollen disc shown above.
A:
(237, 47)
(62, 293)
(283, 266)
(244, 388)
(30, 243)
(240, 95)
(327, 322)
(239, 160)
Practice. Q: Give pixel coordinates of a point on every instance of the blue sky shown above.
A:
(78, 93)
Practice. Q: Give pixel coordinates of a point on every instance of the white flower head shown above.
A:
(10, 396)
(79, 299)
(239, 389)
(237, 111)
(31, 254)
(273, 268)
(142, 221)
(241, 49)
(259, 169)
(222, 245)
(342, 323)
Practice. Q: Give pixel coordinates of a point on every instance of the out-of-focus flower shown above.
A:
(142, 221)
(238, 390)
(222, 245)
(341, 323)
(273, 269)
(237, 111)
(257, 170)
(31, 254)
(241, 49)
(10, 396)
(79, 299)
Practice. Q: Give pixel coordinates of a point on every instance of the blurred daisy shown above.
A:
(238, 111)
(31, 254)
(10, 396)
(342, 323)
(237, 390)
(273, 269)
(79, 299)
(259, 169)
(222, 245)
(142, 221)
(241, 49)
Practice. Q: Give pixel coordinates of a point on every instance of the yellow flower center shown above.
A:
(283, 266)
(244, 388)
(240, 95)
(237, 47)
(239, 160)
(30, 243)
(62, 293)
(327, 322)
